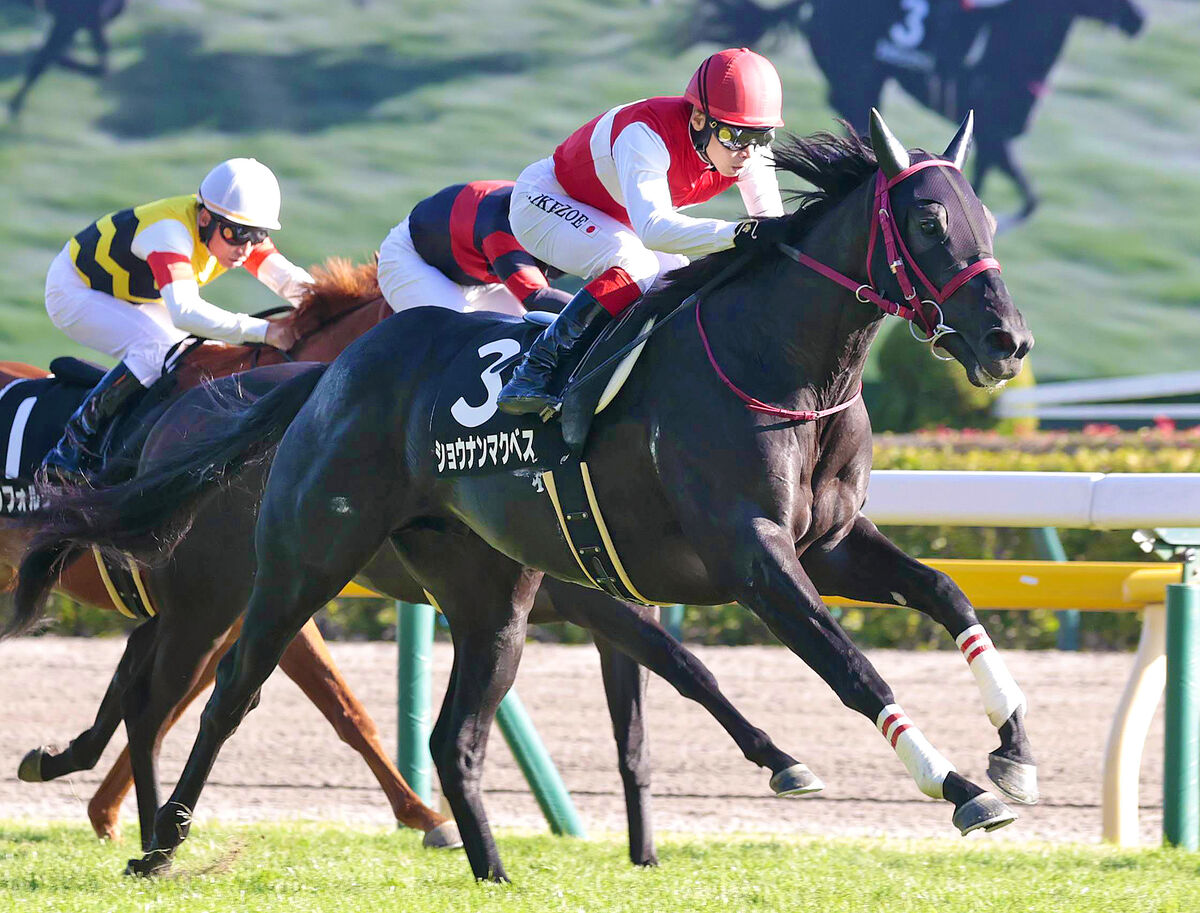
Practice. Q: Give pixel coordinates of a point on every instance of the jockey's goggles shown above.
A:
(237, 235)
(737, 138)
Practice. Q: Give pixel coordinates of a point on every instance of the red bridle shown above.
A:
(899, 262)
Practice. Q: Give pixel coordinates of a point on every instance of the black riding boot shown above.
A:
(74, 458)
(529, 389)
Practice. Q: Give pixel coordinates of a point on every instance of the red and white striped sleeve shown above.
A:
(167, 248)
(278, 273)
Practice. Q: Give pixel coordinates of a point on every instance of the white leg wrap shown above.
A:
(1001, 696)
(925, 764)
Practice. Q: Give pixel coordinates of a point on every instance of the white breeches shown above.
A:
(577, 238)
(407, 281)
(138, 334)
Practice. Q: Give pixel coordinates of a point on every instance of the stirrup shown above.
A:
(551, 412)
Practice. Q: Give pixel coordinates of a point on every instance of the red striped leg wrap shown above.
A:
(925, 764)
(1001, 696)
(614, 289)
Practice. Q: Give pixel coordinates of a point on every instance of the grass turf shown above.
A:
(313, 867)
(362, 111)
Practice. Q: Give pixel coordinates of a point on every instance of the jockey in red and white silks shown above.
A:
(606, 206)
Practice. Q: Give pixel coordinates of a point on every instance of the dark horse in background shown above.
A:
(950, 59)
(708, 501)
(70, 16)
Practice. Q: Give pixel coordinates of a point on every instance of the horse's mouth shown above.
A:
(980, 376)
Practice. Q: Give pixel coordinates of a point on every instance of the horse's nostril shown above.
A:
(1001, 344)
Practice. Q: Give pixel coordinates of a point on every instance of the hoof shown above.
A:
(984, 811)
(30, 768)
(1016, 780)
(443, 837)
(156, 862)
(796, 780)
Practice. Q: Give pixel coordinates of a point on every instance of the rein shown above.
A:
(899, 260)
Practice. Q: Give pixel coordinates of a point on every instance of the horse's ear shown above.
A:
(889, 151)
(961, 144)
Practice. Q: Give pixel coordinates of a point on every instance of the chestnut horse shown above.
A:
(344, 303)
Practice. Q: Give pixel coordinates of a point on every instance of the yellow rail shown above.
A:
(1095, 586)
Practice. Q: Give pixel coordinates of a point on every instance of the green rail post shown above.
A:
(540, 772)
(1050, 548)
(414, 642)
(1181, 762)
(672, 620)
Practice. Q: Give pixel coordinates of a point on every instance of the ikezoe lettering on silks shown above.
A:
(564, 211)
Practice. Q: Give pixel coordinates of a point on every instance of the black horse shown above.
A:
(949, 59)
(69, 17)
(707, 501)
(165, 656)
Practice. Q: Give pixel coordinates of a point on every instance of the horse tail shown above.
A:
(152, 512)
(38, 573)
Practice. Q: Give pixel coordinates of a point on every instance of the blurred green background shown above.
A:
(362, 111)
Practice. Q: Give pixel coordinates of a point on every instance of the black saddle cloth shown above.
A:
(471, 436)
(34, 412)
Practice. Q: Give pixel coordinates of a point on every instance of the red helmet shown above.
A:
(738, 87)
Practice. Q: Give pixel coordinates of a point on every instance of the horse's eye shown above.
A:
(931, 227)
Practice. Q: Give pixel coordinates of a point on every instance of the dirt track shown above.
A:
(285, 760)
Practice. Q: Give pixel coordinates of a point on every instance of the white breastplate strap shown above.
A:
(1001, 696)
(925, 764)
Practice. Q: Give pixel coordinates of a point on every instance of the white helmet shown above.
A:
(243, 191)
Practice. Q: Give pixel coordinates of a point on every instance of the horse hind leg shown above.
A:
(153, 699)
(635, 631)
(867, 566)
(46, 763)
(625, 691)
(104, 808)
(308, 663)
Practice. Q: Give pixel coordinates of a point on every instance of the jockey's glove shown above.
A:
(760, 236)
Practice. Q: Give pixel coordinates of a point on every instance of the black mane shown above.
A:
(835, 165)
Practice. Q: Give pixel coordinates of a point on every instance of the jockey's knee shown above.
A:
(640, 264)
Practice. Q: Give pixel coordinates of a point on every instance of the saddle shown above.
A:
(470, 436)
(32, 415)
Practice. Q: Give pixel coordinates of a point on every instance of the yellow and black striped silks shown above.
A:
(103, 255)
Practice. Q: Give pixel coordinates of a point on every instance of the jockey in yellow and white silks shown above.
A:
(129, 285)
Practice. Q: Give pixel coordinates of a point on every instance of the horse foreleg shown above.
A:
(54, 47)
(867, 566)
(762, 570)
(625, 689)
(307, 662)
(996, 153)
